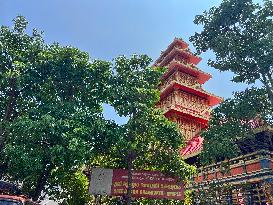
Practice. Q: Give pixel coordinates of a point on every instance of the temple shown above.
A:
(246, 179)
(182, 97)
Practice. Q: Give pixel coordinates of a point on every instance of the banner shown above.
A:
(146, 184)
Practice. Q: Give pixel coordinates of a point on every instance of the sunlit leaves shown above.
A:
(50, 109)
(240, 33)
(154, 140)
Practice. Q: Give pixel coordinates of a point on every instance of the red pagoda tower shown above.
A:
(184, 101)
(182, 97)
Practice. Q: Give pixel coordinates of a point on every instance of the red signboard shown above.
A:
(147, 184)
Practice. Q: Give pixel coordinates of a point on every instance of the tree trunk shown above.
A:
(130, 178)
(8, 111)
(3, 166)
(42, 181)
(97, 199)
(7, 116)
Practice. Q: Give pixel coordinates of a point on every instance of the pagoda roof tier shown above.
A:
(176, 42)
(190, 114)
(190, 69)
(193, 147)
(172, 51)
(174, 85)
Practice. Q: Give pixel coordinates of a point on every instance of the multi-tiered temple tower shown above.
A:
(182, 98)
(185, 102)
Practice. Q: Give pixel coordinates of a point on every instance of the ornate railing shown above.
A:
(243, 165)
(246, 179)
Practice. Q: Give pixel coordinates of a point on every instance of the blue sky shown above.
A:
(108, 28)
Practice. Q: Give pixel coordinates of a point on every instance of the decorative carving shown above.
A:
(180, 60)
(181, 78)
(188, 127)
(186, 103)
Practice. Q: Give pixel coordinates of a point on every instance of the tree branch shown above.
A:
(270, 78)
(8, 111)
(268, 88)
(41, 182)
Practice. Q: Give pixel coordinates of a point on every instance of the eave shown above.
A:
(186, 54)
(176, 112)
(175, 42)
(174, 66)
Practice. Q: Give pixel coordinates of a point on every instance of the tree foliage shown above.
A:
(51, 121)
(148, 140)
(233, 121)
(70, 189)
(240, 32)
(50, 109)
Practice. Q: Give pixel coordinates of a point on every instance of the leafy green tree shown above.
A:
(240, 33)
(231, 122)
(51, 119)
(148, 141)
(70, 189)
